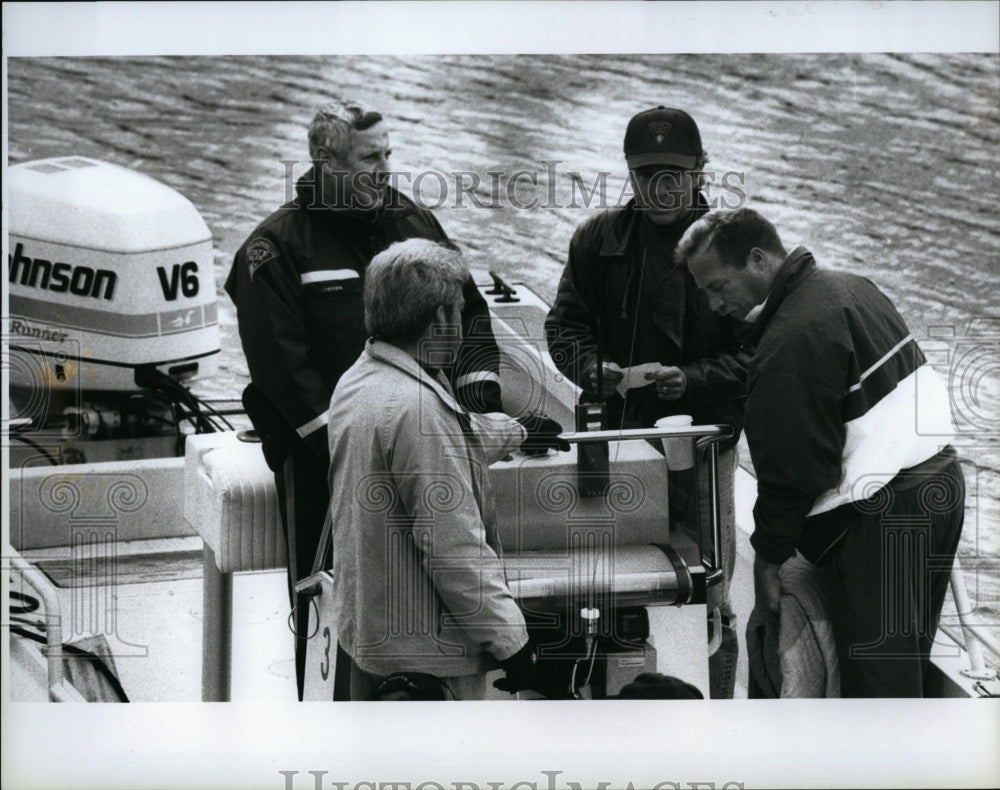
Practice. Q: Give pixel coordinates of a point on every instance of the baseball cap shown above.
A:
(662, 136)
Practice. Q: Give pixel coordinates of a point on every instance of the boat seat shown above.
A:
(230, 500)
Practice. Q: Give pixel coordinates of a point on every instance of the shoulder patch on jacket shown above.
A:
(259, 252)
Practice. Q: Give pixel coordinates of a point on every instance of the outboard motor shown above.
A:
(112, 312)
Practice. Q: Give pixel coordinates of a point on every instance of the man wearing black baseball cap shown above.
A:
(664, 156)
(624, 301)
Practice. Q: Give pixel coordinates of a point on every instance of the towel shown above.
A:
(792, 654)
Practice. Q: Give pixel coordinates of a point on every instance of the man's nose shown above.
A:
(667, 191)
(715, 303)
(666, 183)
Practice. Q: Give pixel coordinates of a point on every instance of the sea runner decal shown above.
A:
(24, 329)
(66, 318)
(259, 252)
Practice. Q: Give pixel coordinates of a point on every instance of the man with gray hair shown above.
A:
(849, 474)
(297, 283)
(418, 582)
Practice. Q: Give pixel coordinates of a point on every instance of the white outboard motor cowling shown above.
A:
(108, 270)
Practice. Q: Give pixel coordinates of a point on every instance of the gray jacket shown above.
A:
(418, 580)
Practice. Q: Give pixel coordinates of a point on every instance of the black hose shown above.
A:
(152, 378)
(32, 443)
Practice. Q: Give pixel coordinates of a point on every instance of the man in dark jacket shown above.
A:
(849, 473)
(623, 295)
(297, 284)
(624, 300)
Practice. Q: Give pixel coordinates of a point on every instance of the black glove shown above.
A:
(526, 672)
(520, 671)
(543, 435)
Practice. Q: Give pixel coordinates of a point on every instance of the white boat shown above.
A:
(171, 564)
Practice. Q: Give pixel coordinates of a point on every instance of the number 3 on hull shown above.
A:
(321, 650)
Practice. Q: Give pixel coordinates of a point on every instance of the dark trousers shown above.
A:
(300, 478)
(303, 499)
(888, 579)
(365, 687)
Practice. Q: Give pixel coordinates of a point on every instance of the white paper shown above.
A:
(635, 376)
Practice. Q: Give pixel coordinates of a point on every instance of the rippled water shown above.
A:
(885, 165)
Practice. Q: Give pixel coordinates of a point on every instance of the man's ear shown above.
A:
(756, 259)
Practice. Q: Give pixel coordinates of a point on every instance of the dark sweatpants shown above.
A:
(888, 579)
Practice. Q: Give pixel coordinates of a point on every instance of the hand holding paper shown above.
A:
(637, 376)
(670, 382)
(611, 375)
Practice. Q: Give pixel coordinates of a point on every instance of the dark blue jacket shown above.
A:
(297, 284)
(840, 401)
(644, 309)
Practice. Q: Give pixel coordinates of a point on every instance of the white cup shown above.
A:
(679, 451)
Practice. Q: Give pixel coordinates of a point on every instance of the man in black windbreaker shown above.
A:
(297, 284)
(849, 429)
(624, 300)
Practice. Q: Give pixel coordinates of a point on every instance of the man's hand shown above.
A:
(767, 588)
(542, 435)
(520, 671)
(524, 671)
(611, 374)
(670, 383)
